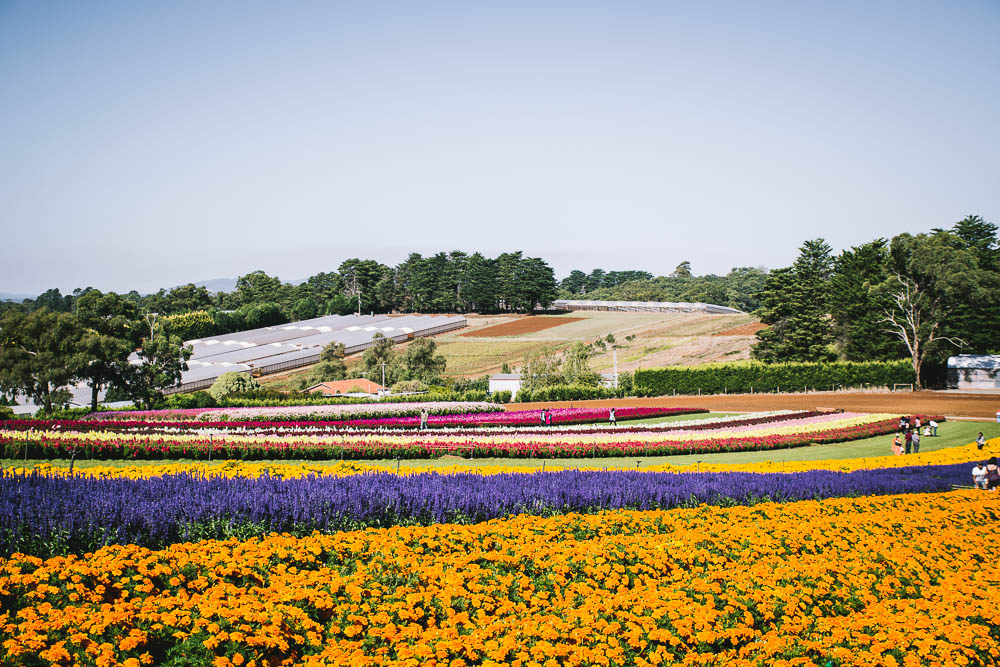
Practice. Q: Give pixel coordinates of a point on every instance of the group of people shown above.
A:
(907, 440)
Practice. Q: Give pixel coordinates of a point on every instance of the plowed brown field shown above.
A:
(983, 406)
(745, 330)
(523, 325)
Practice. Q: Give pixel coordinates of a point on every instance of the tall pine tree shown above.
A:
(795, 303)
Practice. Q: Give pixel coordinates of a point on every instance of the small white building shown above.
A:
(512, 382)
(506, 382)
(608, 380)
(974, 371)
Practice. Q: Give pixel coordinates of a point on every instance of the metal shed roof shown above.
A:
(990, 362)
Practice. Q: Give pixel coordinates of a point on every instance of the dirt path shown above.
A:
(981, 406)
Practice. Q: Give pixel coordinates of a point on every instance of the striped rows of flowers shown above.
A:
(102, 445)
(45, 514)
(554, 417)
(561, 417)
(891, 580)
(302, 412)
(967, 454)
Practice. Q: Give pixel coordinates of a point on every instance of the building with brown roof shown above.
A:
(345, 387)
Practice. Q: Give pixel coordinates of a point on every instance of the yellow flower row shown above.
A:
(851, 581)
(966, 454)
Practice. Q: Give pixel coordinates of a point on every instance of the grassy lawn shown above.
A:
(950, 434)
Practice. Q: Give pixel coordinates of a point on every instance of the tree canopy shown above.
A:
(918, 296)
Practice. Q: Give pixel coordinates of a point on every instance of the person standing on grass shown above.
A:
(980, 441)
(897, 445)
(933, 425)
(908, 439)
(916, 422)
(611, 417)
(979, 476)
(916, 441)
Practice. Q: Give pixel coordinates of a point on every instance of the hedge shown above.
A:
(567, 392)
(784, 377)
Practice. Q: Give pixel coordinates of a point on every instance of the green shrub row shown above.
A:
(567, 392)
(784, 377)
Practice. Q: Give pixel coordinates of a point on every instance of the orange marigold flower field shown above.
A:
(892, 580)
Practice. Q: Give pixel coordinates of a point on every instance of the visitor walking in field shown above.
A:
(423, 418)
(897, 445)
(916, 441)
(541, 417)
(548, 417)
(611, 417)
(980, 441)
(908, 438)
(979, 476)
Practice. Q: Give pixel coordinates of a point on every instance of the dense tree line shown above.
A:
(42, 351)
(578, 282)
(454, 282)
(920, 297)
(740, 288)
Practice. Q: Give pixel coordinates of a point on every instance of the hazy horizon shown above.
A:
(145, 147)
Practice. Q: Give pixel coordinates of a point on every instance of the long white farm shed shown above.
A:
(285, 346)
(644, 306)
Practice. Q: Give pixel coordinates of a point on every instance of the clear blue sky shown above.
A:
(145, 144)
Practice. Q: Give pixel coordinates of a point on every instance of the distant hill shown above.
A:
(11, 296)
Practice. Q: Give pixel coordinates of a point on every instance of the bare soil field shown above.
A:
(745, 330)
(644, 340)
(522, 325)
(982, 406)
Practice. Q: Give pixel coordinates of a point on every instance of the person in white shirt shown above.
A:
(933, 425)
(979, 476)
(981, 441)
